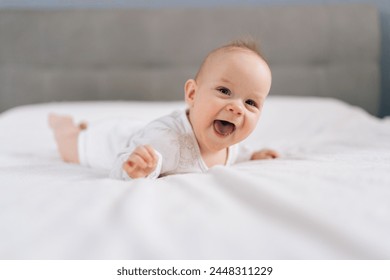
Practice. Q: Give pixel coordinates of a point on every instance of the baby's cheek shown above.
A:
(245, 132)
(251, 124)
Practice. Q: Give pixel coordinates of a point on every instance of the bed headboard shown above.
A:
(55, 55)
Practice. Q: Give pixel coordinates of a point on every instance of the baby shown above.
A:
(224, 103)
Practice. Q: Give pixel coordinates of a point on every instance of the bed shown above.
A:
(326, 197)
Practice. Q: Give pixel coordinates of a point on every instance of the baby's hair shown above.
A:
(245, 44)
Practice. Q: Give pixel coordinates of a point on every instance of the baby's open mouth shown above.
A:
(224, 127)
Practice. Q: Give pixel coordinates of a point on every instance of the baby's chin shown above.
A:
(221, 144)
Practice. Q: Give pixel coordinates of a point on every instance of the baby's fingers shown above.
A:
(146, 153)
(272, 154)
(265, 154)
(133, 163)
(153, 158)
(140, 161)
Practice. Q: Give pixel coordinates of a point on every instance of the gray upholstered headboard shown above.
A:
(46, 55)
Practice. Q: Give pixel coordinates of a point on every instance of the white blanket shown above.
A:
(327, 197)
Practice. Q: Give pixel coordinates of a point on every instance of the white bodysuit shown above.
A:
(108, 145)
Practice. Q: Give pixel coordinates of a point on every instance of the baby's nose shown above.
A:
(235, 108)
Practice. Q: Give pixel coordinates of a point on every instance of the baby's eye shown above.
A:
(224, 90)
(250, 102)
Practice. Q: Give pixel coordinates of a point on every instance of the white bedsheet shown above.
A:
(327, 197)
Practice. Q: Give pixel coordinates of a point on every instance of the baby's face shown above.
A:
(226, 100)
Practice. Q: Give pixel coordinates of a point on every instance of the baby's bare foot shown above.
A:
(61, 122)
(66, 134)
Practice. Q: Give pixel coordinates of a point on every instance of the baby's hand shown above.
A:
(141, 162)
(265, 154)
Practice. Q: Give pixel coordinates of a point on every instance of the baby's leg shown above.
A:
(66, 134)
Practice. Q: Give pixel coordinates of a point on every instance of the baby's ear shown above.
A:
(189, 91)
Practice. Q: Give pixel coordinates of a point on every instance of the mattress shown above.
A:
(326, 197)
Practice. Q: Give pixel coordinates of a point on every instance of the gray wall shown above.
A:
(382, 5)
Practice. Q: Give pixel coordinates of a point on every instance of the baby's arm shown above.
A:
(141, 162)
(265, 154)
